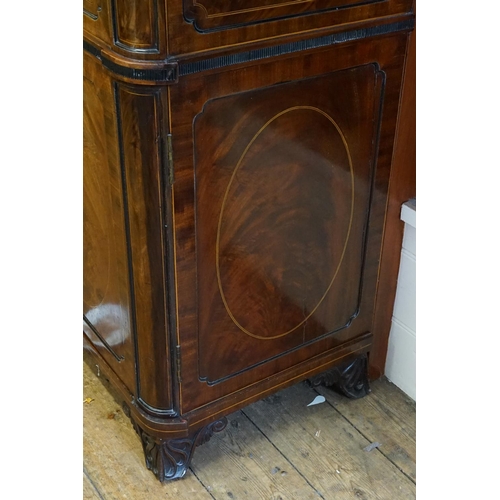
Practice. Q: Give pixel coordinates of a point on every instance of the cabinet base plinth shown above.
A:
(350, 379)
(169, 459)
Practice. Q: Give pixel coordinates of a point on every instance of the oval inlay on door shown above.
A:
(283, 222)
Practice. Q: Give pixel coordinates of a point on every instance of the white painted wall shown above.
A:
(401, 355)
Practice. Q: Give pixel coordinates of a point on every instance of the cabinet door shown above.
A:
(282, 180)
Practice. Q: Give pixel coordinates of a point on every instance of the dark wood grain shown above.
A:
(97, 19)
(283, 179)
(140, 122)
(136, 25)
(402, 188)
(106, 291)
(214, 14)
(236, 198)
(155, 29)
(228, 24)
(187, 101)
(92, 8)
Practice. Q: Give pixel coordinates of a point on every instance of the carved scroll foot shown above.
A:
(169, 459)
(350, 379)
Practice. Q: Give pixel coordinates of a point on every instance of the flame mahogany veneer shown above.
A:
(237, 158)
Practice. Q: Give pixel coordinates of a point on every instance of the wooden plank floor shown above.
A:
(276, 449)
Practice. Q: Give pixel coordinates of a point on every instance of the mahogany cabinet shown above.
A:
(237, 158)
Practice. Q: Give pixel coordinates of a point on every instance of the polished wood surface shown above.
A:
(236, 187)
(155, 29)
(125, 264)
(282, 199)
(97, 20)
(402, 188)
(140, 124)
(137, 25)
(194, 97)
(106, 298)
(208, 15)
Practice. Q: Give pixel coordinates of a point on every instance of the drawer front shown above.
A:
(209, 15)
(281, 176)
(224, 24)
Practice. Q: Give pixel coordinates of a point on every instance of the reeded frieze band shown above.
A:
(171, 73)
(289, 48)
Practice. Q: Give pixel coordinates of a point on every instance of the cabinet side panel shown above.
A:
(106, 297)
(140, 122)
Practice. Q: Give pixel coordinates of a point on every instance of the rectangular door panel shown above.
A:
(283, 179)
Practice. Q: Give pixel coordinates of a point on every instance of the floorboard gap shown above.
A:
(201, 482)
(366, 437)
(284, 456)
(93, 484)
